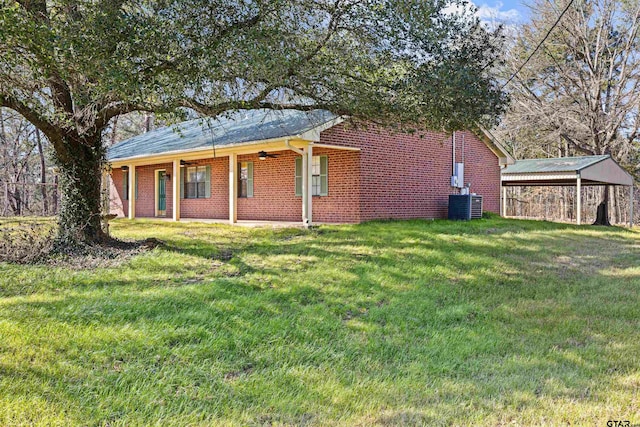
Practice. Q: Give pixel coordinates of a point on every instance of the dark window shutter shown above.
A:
(299, 176)
(182, 183)
(125, 184)
(250, 179)
(207, 182)
(324, 176)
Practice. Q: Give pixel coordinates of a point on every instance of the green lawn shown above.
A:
(491, 322)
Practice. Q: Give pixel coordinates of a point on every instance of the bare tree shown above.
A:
(581, 90)
(23, 175)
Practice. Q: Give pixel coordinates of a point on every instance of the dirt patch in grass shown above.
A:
(33, 243)
(111, 253)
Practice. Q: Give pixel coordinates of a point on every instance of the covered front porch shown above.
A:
(276, 182)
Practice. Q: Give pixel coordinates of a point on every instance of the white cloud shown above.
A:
(496, 14)
(490, 14)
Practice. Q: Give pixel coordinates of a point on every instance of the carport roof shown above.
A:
(592, 170)
(557, 164)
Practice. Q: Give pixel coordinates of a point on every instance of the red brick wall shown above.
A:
(342, 204)
(408, 176)
(217, 206)
(274, 189)
(481, 169)
(117, 197)
(393, 176)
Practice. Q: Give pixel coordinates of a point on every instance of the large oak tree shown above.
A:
(72, 66)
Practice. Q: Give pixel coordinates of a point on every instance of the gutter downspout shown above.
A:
(305, 183)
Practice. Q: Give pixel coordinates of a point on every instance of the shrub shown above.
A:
(25, 242)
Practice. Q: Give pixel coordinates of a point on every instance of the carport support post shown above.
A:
(176, 190)
(504, 201)
(578, 199)
(233, 188)
(631, 205)
(132, 192)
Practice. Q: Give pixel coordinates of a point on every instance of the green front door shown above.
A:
(162, 193)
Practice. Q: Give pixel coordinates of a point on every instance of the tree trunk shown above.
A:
(602, 215)
(617, 203)
(80, 178)
(43, 175)
(148, 122)
(114, 130)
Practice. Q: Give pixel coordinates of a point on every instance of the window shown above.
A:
(319, 176)
(196, 182)
(245, 179)
(125, 184)
(315, 176)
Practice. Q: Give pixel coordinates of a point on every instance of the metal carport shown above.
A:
(567, 171)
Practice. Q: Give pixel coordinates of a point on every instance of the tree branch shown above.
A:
(214, 110)
(576, 145)
(50, 130)
(215, 40)
(114, 109)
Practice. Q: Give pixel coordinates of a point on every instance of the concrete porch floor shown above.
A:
(248, 223)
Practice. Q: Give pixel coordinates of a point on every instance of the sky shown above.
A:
(505, 11)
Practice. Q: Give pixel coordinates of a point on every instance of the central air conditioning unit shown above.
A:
(465, 207)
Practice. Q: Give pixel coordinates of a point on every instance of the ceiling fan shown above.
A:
(262, 155)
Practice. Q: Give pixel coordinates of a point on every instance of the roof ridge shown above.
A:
(596, 159)
(603, 156)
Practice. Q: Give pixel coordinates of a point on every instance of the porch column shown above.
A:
(132, 192)
(631, 205)
(504, 201)
(305, 185)
(176, 190)
(309, 189)
(233, 188)
(578, 200)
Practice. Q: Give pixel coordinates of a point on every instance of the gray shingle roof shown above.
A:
(560, 164)
(231, 128)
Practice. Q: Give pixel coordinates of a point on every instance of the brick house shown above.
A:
(292, 165)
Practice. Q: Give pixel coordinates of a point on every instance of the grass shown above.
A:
(490, 322)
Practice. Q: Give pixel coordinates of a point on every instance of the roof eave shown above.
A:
(200, 149)
(504, 157)
(311, 135)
